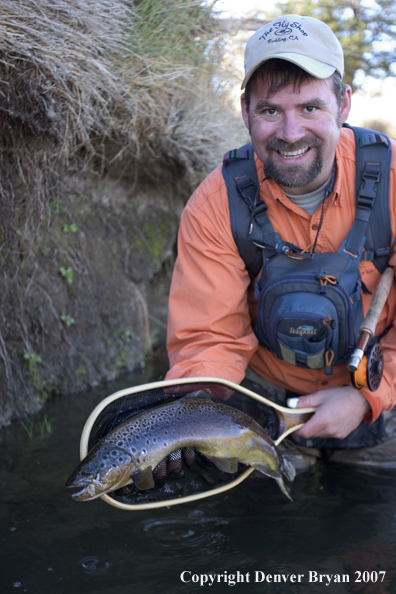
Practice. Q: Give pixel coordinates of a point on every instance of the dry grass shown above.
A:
(103, 86)
(56, 92)
(104, 80)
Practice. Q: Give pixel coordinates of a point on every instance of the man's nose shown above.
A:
(291, 128)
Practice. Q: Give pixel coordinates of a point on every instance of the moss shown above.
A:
(155, 239)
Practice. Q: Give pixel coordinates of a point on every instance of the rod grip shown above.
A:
(378, 301)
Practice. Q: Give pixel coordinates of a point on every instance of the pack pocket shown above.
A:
(304, 338)
(299, 351)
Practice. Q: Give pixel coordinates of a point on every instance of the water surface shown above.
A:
(341, 522)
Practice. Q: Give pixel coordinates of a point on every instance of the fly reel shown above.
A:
(370, 369)
(367, 369)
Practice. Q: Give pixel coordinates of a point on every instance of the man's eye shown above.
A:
(270, 111)
(310, 109)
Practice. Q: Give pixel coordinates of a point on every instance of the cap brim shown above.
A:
(310, 65)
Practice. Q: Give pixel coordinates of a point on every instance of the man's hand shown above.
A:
(338, 412)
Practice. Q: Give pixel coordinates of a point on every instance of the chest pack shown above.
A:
(309, 306)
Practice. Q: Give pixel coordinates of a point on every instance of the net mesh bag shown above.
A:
(186, 471)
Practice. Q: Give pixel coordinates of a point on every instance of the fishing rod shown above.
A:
(367, 369)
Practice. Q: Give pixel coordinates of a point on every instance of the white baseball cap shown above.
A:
(303, 40)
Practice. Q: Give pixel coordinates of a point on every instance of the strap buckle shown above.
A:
(368, 190)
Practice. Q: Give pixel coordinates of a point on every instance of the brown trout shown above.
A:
(135, 448)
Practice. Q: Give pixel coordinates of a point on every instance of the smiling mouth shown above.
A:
(293, 154)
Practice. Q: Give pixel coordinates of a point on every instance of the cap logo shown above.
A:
(304, 41)
(284, 29)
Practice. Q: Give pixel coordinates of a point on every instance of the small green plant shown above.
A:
(43, 429)
(67, 273)
(57, 207)
(28, 425)
(35, 380)
(122, 359)
(129, 335)
(123, 356)
(70, 228)
(46, 250)
(66, 319)
(81, 370)
(33, 359)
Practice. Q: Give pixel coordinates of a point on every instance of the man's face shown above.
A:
(295, 134)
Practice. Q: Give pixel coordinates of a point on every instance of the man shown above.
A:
(293, 106)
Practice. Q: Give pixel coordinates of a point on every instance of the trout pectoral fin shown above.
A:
(225, 464)
(288, 470)
(143, 480)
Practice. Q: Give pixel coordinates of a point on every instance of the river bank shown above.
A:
(105, 136)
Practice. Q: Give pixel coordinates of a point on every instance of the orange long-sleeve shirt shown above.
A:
(212, 303)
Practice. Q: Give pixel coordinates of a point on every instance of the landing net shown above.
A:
(185, 472)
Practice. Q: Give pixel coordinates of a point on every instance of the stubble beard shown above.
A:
(293, 175)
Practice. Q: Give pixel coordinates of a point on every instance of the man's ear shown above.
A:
(245, 112)
(346, 104)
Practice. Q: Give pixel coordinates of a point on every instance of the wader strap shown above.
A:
(261, 234)
(364, 206)
(242, 169)
(373, 163)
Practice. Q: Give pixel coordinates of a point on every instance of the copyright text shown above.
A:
(231, 579)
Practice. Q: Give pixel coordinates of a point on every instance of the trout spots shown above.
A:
(173, 429)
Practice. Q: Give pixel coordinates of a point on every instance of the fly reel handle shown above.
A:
(368, 370)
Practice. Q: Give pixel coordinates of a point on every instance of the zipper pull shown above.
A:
(329, 356)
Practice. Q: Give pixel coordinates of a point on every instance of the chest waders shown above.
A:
(309, 305)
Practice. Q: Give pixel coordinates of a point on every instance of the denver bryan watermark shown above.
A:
(311, 577)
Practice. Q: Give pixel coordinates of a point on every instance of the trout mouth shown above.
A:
(92, 488)
(95, 487)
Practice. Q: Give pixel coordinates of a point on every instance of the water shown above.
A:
(341, 523)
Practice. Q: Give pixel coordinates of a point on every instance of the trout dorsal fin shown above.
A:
(143, 479)
(204, 394)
